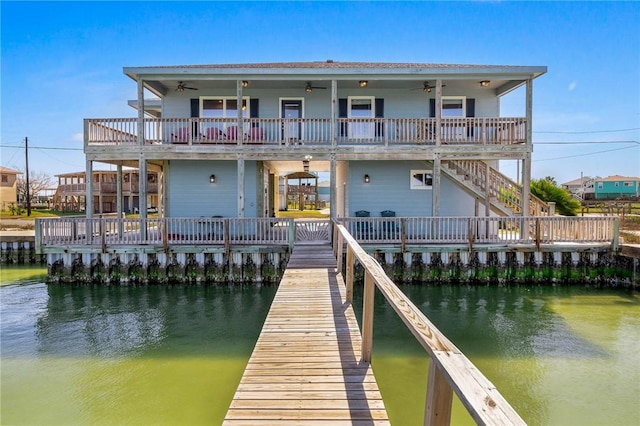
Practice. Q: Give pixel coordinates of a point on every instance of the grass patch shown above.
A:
(305, 214)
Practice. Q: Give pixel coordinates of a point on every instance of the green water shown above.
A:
(171, 355)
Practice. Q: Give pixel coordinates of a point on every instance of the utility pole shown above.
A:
(26, 166)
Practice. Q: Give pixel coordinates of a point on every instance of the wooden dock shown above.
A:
(306, 366)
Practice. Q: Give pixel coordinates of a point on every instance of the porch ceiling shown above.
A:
(286, 167)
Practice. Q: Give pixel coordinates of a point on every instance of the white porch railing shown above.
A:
(79, 231)
(482, 230)
(283, 131)
(501, 188)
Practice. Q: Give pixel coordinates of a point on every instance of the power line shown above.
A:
(588, 132)
(43, 147)
(582, 155)
(583, 142)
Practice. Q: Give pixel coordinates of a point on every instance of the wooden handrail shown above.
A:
(450, 370)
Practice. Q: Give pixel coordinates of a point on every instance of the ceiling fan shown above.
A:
(309, 88)
(426, 87)
(181, 87)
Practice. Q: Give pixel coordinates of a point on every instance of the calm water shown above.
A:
(174, 355)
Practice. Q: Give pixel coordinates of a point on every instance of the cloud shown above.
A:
(572, 85)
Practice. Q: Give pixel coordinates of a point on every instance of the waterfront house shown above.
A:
(581, 188)
(8, 187)
(616, 186)
(72, 188)
(415, 139)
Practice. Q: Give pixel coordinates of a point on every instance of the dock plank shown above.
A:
(306, 366)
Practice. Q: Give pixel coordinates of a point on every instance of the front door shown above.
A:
(291, 112)
(361, 111)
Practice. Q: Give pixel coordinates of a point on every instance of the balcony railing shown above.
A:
(469, 231)
(105, 188)
(316, 131)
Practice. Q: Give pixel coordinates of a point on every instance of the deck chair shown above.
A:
(181, 135)
(389, 229)
(213, 134)
(363, 229)
(232, 133)
(256, 134)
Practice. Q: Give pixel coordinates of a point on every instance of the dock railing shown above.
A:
(400, 231)
(449, 369)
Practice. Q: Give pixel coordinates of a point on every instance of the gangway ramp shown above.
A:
(306, 366)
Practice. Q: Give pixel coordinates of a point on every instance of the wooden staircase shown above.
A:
(505, 195)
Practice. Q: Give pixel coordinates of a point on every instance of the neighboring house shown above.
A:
(8, 187)
(616, 186)
(72, 189)
(417, 139)
(581, 188)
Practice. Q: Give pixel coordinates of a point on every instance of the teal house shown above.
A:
(616, 186)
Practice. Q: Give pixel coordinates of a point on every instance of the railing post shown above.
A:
(38, 235)
(367, 317)
(403, 235)
(537, 233)
(439, 398)
(292, 234)
(165, 242)
(103, 236)
(349, 273)
(338, 254)
(227, 242)
(616, 234)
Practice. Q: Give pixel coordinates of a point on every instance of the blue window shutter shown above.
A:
(379, 114)
(254, 108)
(471, 107)
(471, 112)
(342, 113)
(432, 108)
(195, 107)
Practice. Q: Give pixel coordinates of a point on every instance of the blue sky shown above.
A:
(62, 62)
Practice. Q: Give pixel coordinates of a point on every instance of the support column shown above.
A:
(334, 116)
(240, 134)
(333, 187)
(88, 199)
(487, 192)
(435, 187)
(438, 112)
(260, 190)
(100, 199)
(526, 165)
(240, 187)
(119, 191)
(163, 189)
(142, 187)
(140, 113)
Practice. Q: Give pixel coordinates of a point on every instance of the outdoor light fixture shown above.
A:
(245, 83)
(305, 162)
(485, 83)
(363, 83)
(212, 178)
(367, 179)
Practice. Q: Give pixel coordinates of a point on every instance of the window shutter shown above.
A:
(195, 107)
(253, 108)
(432, 108)
(342, 113)
(471, 107)
(195, 113)
(379, 114)
(471, 112)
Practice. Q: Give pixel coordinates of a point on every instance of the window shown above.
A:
(628, 184)
(454, 106)
(421, 179)
(600, 185)
(5, 179)
(222, 107)
(617, 184)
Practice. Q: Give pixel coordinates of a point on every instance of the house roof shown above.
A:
(8, 171)
(158, 79)
(578, 181)
(618, 178)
